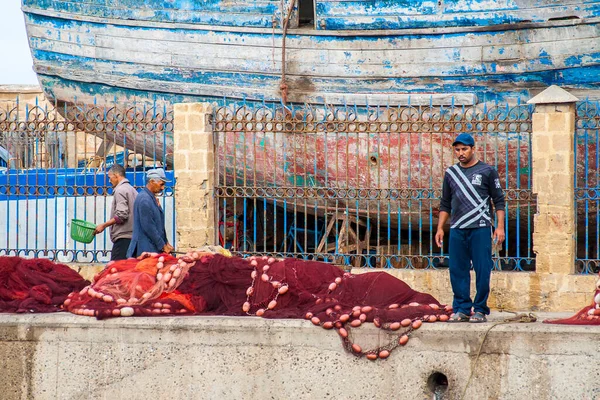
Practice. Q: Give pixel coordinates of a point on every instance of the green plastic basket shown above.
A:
(82, 231)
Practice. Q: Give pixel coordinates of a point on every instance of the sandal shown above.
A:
(478, 318)
(459, 317)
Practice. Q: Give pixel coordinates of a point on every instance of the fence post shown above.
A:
(194, 173)
(553, 174)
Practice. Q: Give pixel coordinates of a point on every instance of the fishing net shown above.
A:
(589, 315)
(35, 285)
(206, 282)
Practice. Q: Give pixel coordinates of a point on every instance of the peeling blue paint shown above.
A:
(366, 64)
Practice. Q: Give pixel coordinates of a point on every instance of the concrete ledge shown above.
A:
(509, 290)
(62, 356)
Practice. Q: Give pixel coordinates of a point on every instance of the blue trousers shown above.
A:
(466, 246)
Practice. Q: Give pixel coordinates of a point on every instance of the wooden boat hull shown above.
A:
(130, 51)
(452, 52)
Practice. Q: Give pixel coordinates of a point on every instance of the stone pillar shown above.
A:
(553, 180)
(194, 174)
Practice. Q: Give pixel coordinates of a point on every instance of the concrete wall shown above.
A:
(64, 356)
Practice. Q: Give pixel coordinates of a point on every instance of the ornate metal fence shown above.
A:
(361, 186)
(53, 162)
(587, 186)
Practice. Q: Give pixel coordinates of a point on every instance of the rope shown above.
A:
(519, 318)
(283, 84)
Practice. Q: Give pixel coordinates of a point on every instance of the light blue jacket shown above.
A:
(149, 232)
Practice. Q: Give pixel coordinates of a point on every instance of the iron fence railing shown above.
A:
(587, 186)
(53, 163)
(361, 185)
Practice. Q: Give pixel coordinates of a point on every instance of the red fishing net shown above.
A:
(35, 285)
(589, 315)
(208, 283)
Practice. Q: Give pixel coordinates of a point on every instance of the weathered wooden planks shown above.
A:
(402, 14)
(206, 63)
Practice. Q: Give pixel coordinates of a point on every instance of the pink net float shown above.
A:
(589, 315)
(208, 283)
(35, 285)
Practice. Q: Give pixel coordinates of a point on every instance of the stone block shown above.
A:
(195, 123)
(540, 145)
(519, 282)
(185, 217)
(569, 301)
(539, 164)
(539, 123)
(549, 283)
(557, 162)
(563, 223)
(562, 182)
(542, 261)
(556, 209)
(202, 162)
(584, 283)
(180, 123)
(559, 123)
(201, 141)
(180, 161)
(186, 178)
(200, 108)
(562, 264)
(181, 141)
(541, 183)
(181, 108)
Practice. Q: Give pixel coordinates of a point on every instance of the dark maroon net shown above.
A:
(35, 285)
(211, 283)
(589, 315)
(207, 283)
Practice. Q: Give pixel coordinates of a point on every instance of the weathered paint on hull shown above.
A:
(378, 174)
(156, 59)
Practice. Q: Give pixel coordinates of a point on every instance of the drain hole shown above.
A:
(437, 384)
(374, 160)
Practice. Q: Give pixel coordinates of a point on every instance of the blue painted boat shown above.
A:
(31, 184)
(329, 51)
(359, 52)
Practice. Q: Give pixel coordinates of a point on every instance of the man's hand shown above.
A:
(499, 236)
(439, 238)
(99, 229)
(167, 248)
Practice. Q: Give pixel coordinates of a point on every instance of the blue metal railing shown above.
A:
(361, 185)
(56, 158)
(587, 186)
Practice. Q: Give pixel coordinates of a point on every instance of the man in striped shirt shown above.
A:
(470, 187)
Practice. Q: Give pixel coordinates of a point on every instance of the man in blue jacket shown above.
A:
(149, 232)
